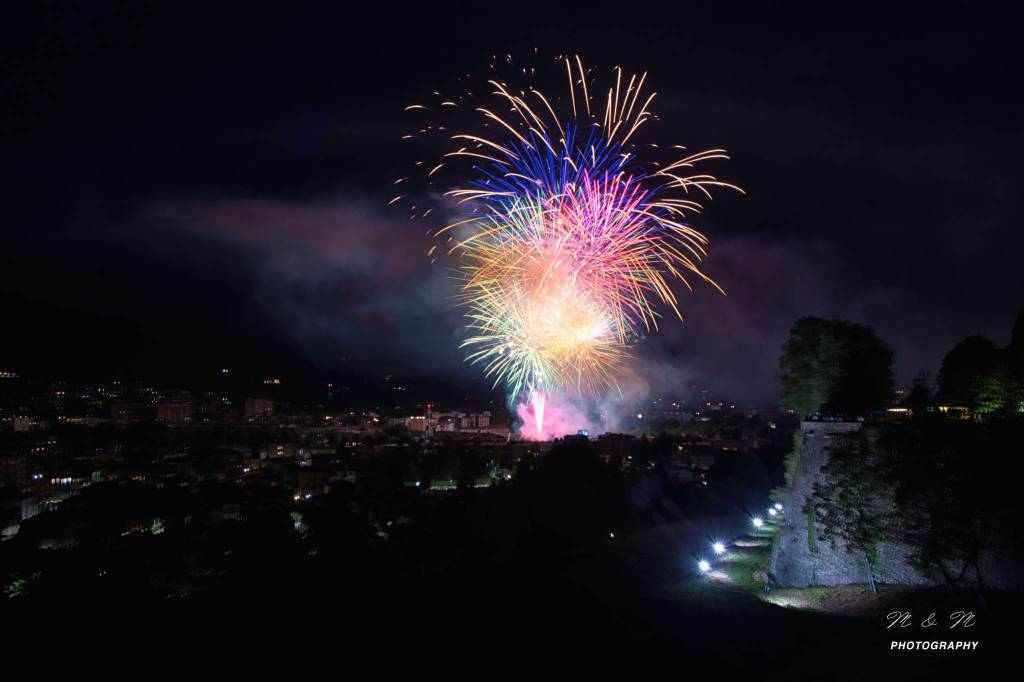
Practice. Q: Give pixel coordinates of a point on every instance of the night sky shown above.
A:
(187, 188)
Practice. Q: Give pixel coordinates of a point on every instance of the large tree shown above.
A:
(1016, 364)
(975, 374)
(1017, 336)
(834, 366)
(954, 490)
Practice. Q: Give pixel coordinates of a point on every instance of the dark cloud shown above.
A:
(351, 284)
(183, 191)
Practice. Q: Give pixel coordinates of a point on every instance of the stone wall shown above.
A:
(799, 557)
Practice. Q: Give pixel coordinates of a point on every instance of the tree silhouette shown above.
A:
(976, 374)
(834, 366)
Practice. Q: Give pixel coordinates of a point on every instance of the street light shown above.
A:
(757, 521)
(719, 547)
(704, 566)
(773, 511)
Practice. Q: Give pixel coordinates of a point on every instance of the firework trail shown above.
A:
(568, 239)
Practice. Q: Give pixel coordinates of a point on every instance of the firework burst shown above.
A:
(568, 240)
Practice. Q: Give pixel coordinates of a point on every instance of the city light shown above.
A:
(773, 511)
(778, 505)
(757, 521)
(704, 566)
(719, 547)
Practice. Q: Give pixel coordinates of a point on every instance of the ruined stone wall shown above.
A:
(799, 557)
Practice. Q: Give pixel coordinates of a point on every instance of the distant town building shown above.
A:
(128, 412)
(275, 450)
(174, 413)
(259, 408)
(416, 424)
(23, 423)
(952, 411)
(617, 445)
(451, 422)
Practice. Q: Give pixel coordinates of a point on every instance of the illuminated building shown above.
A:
(22, 423)
(952, 411)
(277, 450)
